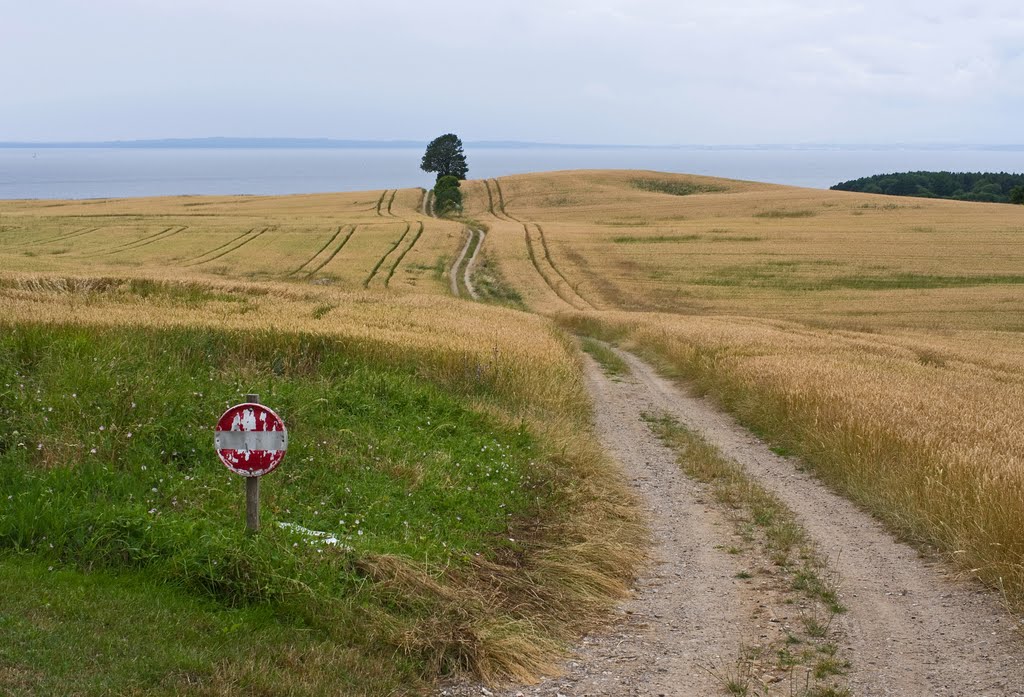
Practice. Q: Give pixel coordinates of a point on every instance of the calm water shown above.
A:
(113, 172)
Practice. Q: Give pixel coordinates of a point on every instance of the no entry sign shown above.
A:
(250, 439)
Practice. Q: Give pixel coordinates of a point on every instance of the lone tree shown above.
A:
(444, 155)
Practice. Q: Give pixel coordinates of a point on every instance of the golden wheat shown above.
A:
(879, 336)
(376, 238)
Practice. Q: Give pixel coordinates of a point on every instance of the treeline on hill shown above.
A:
(992, 187)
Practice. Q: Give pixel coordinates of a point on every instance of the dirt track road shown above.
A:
(911, 629)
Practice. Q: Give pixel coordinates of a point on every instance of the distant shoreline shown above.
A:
(329, 143)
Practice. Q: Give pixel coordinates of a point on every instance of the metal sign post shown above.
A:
(251, 441)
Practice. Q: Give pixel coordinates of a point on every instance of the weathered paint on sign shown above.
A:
(250, 439)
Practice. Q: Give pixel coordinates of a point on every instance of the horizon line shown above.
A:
(271, 142)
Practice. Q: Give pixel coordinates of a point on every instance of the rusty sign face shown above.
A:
(250, 439)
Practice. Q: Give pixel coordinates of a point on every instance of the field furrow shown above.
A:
(144, 242)
(380, 262)
(63, 238)
(401, 256)
(501, 201)
(490, 198)
(313, 271)
(328, 243)
(551, 262)
(557, 284)
(218, 248)
(231, 249)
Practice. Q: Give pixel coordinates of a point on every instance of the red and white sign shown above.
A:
(250, 439)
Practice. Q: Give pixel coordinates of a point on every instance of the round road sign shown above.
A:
(250, 439)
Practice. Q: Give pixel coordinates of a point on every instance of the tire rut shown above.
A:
(398, 261)
(468, 276)
(330, 258)
(453, 272)
(554, 283)
(238, 246)
(380, 262)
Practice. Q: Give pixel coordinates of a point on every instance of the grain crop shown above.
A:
(880, 338)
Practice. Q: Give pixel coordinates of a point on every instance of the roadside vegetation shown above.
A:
(441, 498)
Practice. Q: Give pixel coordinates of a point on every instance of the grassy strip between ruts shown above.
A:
(803, 659)
(611, 363)
(455, 548)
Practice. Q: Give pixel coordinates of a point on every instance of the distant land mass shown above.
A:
(991, 187)
(331, 143)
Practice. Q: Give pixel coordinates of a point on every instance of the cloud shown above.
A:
(602, 71)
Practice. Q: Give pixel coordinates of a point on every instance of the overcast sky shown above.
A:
(579, 71)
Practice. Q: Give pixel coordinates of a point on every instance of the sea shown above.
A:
(106, 172)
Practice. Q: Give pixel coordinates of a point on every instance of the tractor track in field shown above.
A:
(501, 201)
(554, 280)
(391, 202)
(328, 243)
(63, 238)
(380, 262)
(425, 204)
(145, 241)
(398, 261)
(330, 258)
(490, 199)
(222, 246)
(912, 628)
(229, 250)
(496, 202)
(380, 201)
(551, 263)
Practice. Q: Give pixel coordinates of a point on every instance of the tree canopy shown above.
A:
(447, 195)
(444, 155)
(995, 187)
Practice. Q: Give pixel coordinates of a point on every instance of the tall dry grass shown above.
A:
(923, 430)
(878, 337)
(500, 620)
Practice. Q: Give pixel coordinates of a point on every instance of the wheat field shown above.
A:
(881, 338)
(368, 239)
(601, 240)
(364, 275)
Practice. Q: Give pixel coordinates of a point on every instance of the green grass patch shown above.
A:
(492, 286)
(107, 467)
(694, 237)
(611, 363)
(655, 239)
(799, 276)
(674, 187)
(152, 291)
(65, 632)
(783, 213)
